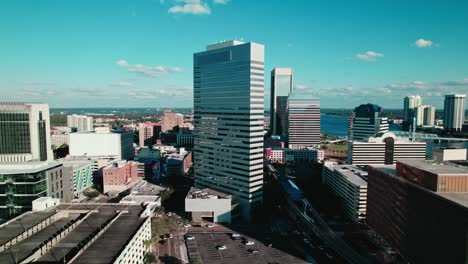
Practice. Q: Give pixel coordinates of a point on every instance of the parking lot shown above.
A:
(206, 245)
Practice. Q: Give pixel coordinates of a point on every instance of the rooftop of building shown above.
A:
(206, 193)
(368, 108)
(352, 173)
(439, 168)
(224, 44)
(27, 167)
(122, 222)
(76, 163)
(204, 247)
(459, 198)
(118, 164)
(177, 156)
(144, 188)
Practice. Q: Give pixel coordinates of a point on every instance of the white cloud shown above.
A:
(194, 7)
(150, 71)
(123, 63)
(39, 83)
(456, 83)
(301, 86)
(369, 56)
(223, 2)
(423, 43)
(121, 84)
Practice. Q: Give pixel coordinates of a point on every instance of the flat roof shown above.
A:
(104, 249)
(16, 226)
(459, 198)
(206, 193)
(204, 247)
(352, 173)
(439, 168)
(27, 167)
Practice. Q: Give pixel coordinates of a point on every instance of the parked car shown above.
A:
(187, 225)
(210, 225)
(249, 243)
(221, 247)
(189, 237)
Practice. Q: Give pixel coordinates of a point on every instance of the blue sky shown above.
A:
(122, 53)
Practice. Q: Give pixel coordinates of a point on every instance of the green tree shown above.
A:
(195, 261)
(149, 258)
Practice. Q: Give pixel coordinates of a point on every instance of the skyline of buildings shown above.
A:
(228, 120)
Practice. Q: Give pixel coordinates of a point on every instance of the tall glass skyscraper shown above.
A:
(24, 132)
(281, 87)
(228, 119)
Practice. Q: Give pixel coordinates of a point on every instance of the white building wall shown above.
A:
(221, 208)
(135, 250)
(95, 144)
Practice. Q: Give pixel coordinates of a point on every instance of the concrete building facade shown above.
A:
(303, 121)
(385, 149)
(119, 176)
(347, 182)
(22, 183)
(446, 154)
(208, 205)
(81, 122)
(148, 133)
(117, 145)
(422, 225)
(228, 119)
(25, 132)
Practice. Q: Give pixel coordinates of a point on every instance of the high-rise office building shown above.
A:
(429, 116)
(81, 122)
(23, 182)
(303, 120)
(410, 104)
(454, 111)
(367, 122)
(281, 87)
(148, 133)
(421, 209)
(425, 115)
(24, 132)
(228, 117)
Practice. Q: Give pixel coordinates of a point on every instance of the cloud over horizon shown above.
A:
(369, 56)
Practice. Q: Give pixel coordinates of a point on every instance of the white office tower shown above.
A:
(410, 103)
(228, 118)
(367, 122)
(81, 122)
(25, 132)
(385, 149)
(454, 111)
(281, 87)
(425, 115)
(303, 121)
(429, 116)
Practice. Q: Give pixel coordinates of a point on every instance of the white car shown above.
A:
(187, 225)
(222, 247)
(190, 237)
(210, 225)
(169, 214)
(235, 235)
(249, 243)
